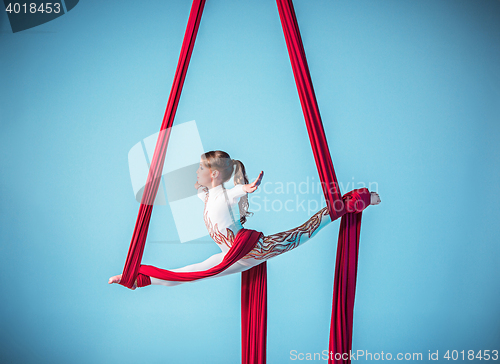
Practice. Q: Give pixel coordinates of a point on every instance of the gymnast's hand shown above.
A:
(375, 198)
(251, 187)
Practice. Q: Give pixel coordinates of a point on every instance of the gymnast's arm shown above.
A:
(240, 190)
(251, 187)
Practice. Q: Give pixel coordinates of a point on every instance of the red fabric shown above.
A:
(347, 206)
(310, 108)
(254, 314)
(243, 243)
(136, 250)
(356, 200)
(254, 287)
(344, 287)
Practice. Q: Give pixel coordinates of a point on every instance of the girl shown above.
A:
(223, 220)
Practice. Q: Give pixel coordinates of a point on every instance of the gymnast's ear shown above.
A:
(215, 173)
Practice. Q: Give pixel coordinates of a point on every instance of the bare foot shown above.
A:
(375, 198)
(118, 278)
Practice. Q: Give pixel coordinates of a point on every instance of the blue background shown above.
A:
(409, 93)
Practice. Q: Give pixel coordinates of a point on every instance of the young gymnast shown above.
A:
(223, 220)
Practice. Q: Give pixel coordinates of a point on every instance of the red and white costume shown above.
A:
(222, 219)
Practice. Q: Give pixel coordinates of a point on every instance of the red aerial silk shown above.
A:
(344, 287)
(243, 243)
(134, 256)
(254, 280)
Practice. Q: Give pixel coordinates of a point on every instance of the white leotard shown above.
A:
(221, 213)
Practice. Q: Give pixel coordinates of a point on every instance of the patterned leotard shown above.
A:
(220, 203)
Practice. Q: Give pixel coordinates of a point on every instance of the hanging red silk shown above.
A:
(347, 249)
(254, 280)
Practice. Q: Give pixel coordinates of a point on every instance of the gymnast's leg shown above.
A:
(206, 264)
(266, 248)
(237, 267)
(276, 244)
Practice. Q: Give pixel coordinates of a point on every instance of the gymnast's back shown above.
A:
(221, 213)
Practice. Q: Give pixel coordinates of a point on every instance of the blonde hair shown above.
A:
(222, 162)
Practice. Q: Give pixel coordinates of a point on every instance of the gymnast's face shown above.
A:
(203, 174)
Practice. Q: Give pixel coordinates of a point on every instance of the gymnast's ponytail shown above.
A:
(240, 177)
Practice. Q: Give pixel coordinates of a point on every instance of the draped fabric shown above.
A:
(254, 280)
(344, 287)
(254, 314)
(136, 250)
(347, 249)
(310, 108)
(243, 243)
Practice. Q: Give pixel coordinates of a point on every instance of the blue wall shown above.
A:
(409, 93)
